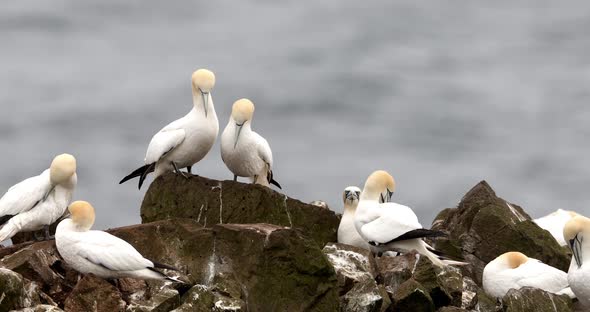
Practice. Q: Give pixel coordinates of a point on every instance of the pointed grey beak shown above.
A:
(238, 133)
(576, 246)
(205, 96)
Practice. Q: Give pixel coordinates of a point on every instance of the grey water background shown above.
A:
(442, 94)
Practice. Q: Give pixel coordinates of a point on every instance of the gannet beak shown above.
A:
(576, 246)
(351, 196)
(389, 195)
(205, 96)
(238, 133)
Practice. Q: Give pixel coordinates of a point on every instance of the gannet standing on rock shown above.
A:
(577, 234)
(389, 226)
(347, 233)
(98, 252)
(245, 152)
(514, 270)
(187, 140)
(555, 222)
(37, 202)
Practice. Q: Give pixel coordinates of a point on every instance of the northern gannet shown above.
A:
(555, 222)
(245, 152)
(185, 141)
(389, 226)
(347, 233)
(101, 253)
(514, 270)
(576, 232)
(37, 202)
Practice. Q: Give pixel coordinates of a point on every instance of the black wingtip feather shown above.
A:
(136, 173)
(272, 181)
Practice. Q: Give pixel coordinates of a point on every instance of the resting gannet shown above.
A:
(389, 226)
(98, 252)
(37, 202)
(245, 152)
(347, 233)
(576, 233)
(185, 141)
(555, 222)
(514, 270)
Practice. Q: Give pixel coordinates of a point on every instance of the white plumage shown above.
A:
(513, 270)
(245, 152)
(185, 141)
(37, 202)
(347, 233)
(555, 222)
(98, 252)
(576, 233)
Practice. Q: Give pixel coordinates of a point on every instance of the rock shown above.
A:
(535, 300)
(241, 261)
(41, 308)
(451, 309)
(484, 226)
(366, 296)
(13, 291)
(198, 298)
(157, 296)
(23, 237)
(94, 294)
(394, 271)
(486, 303)
(41, 263)
(212, 202)
(412, 296)
(352, 265)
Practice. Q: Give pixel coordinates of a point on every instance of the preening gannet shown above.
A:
(37, 202)
(347, 233)
(389, 226)
(98, 252)
(185, 141)
(245, 152)
(555, 222)
(576, 232)
(514, 270)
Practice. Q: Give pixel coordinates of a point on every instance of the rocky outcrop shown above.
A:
(211, 202)
(212, 232)
(484, 226)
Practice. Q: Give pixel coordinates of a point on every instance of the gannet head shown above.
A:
(512, 259)
(62, 168)
(351, 196)
(203, 81)
(82, 215)
(573, 233)
(241, 112)
(380, 185)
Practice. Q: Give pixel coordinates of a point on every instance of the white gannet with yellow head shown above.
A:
(388, 226)
(555, 222)
(347, 233)
(187, 140)
(37, 202)
(101, 253)
(576, 233)
(514, 270)
(245, 152)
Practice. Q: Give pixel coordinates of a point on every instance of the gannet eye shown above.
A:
(346, 193)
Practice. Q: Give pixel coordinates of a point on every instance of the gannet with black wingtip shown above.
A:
(347, 233)
(245, 152)
(37, 202)
(389, 226)
(514, 270)
(101, 253)
(576, 232)
(555, 222)
(187, 140)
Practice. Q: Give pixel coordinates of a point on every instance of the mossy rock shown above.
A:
(412, 296)
(535, 300)
(94, 294)
(12, 290)
(484, 226)
(212, 202)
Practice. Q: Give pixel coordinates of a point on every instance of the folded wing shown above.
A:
(162, 143)
(25, 195)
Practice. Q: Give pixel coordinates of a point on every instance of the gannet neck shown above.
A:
(198, 105)
(67, 225)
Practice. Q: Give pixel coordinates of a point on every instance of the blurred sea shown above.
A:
(441, 94)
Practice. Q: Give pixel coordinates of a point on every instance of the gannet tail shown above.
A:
(140, 172)
(436, 256)
(272, 181)
(158, 265)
